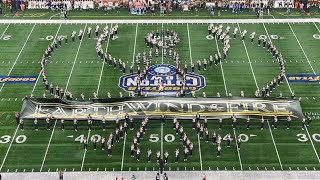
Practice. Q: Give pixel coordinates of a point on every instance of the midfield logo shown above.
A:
(166, 74)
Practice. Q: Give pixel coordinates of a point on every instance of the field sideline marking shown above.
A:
(245, 47)
(24, 45)
(103, 62)
(75, 58)
(224, 80)
(189, 46)
(235, 138)
(200, 153)
(85, 152)
(275, 146)
(4, 31)
(313, 73)
(45, 155)
(274, 142)
(34, 87)
(14, 135)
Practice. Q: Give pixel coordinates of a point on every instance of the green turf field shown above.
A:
(77, 67)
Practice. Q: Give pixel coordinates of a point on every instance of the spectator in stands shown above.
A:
(0, 13)
(318, 7)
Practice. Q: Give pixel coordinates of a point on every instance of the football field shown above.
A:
(75, 66)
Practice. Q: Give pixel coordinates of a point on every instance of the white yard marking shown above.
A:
(123, 150)
(163, 44)
(275, 146)
(245, 47)
(311, 141)
(200, 153)
(102, 68)
(239, 156)
(224, 80)
(161, 140)
(34, 87)
(15, 62)
(45, 155)
(75, 59)
(85, 152)
(316, 27)
(191, 61)
(305, 55)
(134, 45)
(4, 32)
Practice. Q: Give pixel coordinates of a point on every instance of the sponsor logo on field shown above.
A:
(166, 74)
(303, 77)
(18, 79)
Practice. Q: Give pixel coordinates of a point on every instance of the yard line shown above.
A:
(245, 47)
(200, 153)
(163, 44)
(75, 59)
(224, 80)
(191, 61)
(4, 31)
(161, 140)
(135, 43)
(5, 157)
(302, 48)
(85, 152)
(274, 143)
(103, 62)
(34, 87)
(235, 140)
(123, 150)
(14, 135)
(316, 26)
(313, 73)
(45, 155)
(275, 146)
(24, 45)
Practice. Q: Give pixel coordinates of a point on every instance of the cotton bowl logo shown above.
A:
(162, 74)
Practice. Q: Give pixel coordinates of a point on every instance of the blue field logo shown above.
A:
(303, 78)
(18, 79)
(167, 75)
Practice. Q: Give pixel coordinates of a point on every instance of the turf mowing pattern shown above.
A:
(77, 65)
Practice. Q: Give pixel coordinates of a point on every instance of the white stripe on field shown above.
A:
(245, 47)
(34, 87)
(191, 61)
(75, 59)
(239, 156)
(45, 155)
(24, 45)
(103, 61)
(85, 152)
(224, 80)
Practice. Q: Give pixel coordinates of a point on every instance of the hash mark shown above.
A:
(49, 170)
(72, 169)
(129, 168)
(225, 168)
(169, 168)
(274, 168)
(9, 170)
(250, 168)
(89, 169)
(177, 168)
(265, 168)
(24, 170)
(209, 168)
(145, 168)
(298, 168)
(16, 170)
(258, 169)
(65, 169)
(31, 170)
(314, 168)
(185, 168)
(217, 168)
(57, 170)
(105, 169)
(97, 169)
(306, 168)
(137, 168)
